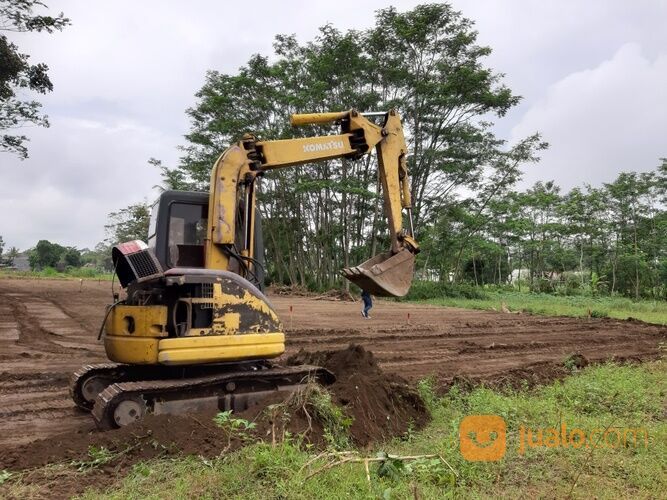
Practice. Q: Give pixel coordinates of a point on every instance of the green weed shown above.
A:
(234, 428)
(225, 420)
(98, 456)
(573, 362)
(426, 390)
(5, 475)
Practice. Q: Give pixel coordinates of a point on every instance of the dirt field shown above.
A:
(48, 329)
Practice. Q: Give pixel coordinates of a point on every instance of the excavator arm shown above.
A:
(236, 170)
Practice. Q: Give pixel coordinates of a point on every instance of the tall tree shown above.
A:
(630, 205)
(11, 254)
(46, 254)
(129, 223)
(17, 74)
(72, 257)
(427, 63)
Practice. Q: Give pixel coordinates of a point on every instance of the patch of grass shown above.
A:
(580, 306)
(421, 290)
(596, 398)
(51, 273)
(36, 483)
(603, 397)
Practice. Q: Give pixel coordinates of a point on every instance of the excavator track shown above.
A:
(88, 381)
(122, 403)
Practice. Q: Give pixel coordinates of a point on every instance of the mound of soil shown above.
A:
(531, 375)
(334, 294)
(382, 406)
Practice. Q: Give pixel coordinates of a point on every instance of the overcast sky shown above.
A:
(593, 76)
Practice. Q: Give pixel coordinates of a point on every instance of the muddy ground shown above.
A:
(48, 328)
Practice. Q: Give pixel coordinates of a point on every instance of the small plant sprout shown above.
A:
(98, 456)
(238, 428)
(5, 475)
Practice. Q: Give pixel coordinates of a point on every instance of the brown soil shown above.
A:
(48, 329)
(381, 406)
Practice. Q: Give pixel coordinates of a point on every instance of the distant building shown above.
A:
(21, 262)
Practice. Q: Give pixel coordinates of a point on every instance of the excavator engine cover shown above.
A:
(133, 262)
(384, 275)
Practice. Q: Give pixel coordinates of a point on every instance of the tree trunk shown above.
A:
(343, 211)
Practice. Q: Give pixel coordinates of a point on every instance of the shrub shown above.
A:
(421, 290)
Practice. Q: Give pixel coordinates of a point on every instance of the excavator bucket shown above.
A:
(384, 275)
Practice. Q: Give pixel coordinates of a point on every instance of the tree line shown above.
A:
(130, 223)
(49, 255)
(608, 239)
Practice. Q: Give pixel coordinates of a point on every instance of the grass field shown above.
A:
(605, 397)
(51, 273)
(651, 311)
(609, 398)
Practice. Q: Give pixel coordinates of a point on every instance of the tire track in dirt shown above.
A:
(31, 332)
(487, 349)
(36, 363)
(36, 407)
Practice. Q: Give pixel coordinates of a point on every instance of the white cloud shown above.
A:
(64, 192)
(601, 121)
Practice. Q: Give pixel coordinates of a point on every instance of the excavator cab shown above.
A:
(177, 233)
(177, 229)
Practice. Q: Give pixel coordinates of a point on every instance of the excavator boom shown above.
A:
(388, 274)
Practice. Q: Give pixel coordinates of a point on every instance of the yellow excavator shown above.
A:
(194, 330)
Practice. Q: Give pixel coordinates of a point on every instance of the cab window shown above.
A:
(187, 232)
(152, 225)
